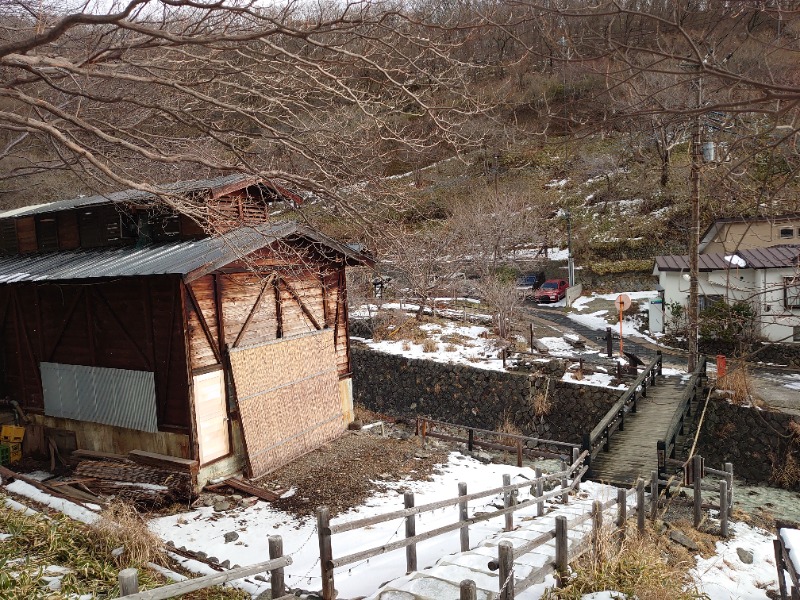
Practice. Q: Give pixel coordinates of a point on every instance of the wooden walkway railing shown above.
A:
(694, 390)
(521, 443)
(569, 478)
(600, 437)
(129, 578)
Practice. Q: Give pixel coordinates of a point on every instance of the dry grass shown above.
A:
(738, 382)
(541, 401)
(786, 472)
(508, 426)
(429, 346)
(645, 567)
(123, 527)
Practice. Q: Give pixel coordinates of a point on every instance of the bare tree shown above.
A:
(317, 96)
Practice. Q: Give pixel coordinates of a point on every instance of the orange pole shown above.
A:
(722, 366)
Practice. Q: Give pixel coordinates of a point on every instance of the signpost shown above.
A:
(623, 303)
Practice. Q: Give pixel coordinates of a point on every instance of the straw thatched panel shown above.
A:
(288, 398)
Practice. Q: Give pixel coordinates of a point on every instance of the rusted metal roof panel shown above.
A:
(706, 262)
(174, 258)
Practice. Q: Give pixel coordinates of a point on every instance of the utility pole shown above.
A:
(570, 263)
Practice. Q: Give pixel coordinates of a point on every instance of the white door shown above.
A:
(212, 416)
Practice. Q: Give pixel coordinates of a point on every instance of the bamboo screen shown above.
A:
(288, 395)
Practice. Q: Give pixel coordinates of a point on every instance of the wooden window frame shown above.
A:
(791, 301)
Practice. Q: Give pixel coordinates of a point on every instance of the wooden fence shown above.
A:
(614, 420)
(693, 393)
(786, 563)
(508, 442)
(569, 478)
(129, 578)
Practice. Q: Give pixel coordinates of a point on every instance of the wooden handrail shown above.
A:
(501, 434)
(666, 444)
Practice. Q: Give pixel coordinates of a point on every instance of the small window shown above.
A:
(791, 292)
(787, 233)
(796, 333)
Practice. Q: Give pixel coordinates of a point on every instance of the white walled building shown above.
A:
(767, 278)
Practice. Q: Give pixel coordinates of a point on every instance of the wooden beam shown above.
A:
(203, 324)
(276, 285)
(253, 310)
(303, 307)
(220, 316)
(324, 287)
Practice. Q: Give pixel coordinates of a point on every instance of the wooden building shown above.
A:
(125, 326)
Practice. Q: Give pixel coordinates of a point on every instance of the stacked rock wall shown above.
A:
(464, 395)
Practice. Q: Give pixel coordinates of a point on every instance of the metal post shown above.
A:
(463, 516)
(640, 505)
(661, 453)
(729, 470)
(470, 439)
(697, 467)
(531, 326)
(506, 563)
(507, 503)
(609, 345)
(411, 531)
(128, 581)
(275, 544)
(723, 507)
(325, 552)
(562, 550)
(575, 454)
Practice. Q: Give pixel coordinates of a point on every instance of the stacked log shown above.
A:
(136, 482)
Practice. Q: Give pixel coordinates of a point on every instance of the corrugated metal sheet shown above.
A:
(174, 258)
(773, 257)
(706, 262)
(180, 187)
(109, 396)
(178, 258)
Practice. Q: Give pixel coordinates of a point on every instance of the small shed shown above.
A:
(126, 326)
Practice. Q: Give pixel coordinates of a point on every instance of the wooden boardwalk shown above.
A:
(632, 452)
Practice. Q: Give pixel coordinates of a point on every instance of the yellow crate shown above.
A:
(12, 434)
(16, 453)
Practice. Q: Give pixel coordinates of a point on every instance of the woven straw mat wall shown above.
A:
(288, 398)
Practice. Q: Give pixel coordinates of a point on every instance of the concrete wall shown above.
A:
(758, 443)
(749, 235)
(480, 398)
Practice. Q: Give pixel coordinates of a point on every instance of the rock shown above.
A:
(231, 536)
(222, 506)
(422, 454)
(483, 457)
(225, 564)
(264, 595)
(236, 497)
(746, 556)
(260, 578)
(213, 559)
(201, 555)
(355, 425)
(208, 501)
(683, 540)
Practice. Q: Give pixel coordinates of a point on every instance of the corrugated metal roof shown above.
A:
(176, 258)
(706, 262)
(180, 258)
(773, 257)
(133, 195)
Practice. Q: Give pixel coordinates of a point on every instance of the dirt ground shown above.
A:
(345, 472)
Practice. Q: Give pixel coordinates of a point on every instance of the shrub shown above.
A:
(728, 325)
(429, 346)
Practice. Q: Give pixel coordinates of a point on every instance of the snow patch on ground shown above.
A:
(75, 511)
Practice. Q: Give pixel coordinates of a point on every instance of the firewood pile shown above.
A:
(141, 484)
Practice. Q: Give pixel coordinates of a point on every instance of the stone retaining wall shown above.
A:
(762, 445)
(465, 395)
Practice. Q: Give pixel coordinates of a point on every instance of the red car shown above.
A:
(552, 290)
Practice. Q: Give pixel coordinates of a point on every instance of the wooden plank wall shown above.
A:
(261, 307)
(131, 323)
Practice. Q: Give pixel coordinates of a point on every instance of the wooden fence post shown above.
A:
(697, 468)
(777, 545)
(622, 511)
(411, 530)
(564, 483)
(463, 515)
(128, 582)
(506, 571)
(640, 505)
(539, 492)
(275, 543)
(575, 454)
(470, 439)
(729, 471)
(519, 453)
(597, 525)
(326, 551)
(723, 507)
(562, 550)
(468, 590)
(507, 500)
(653, 495)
